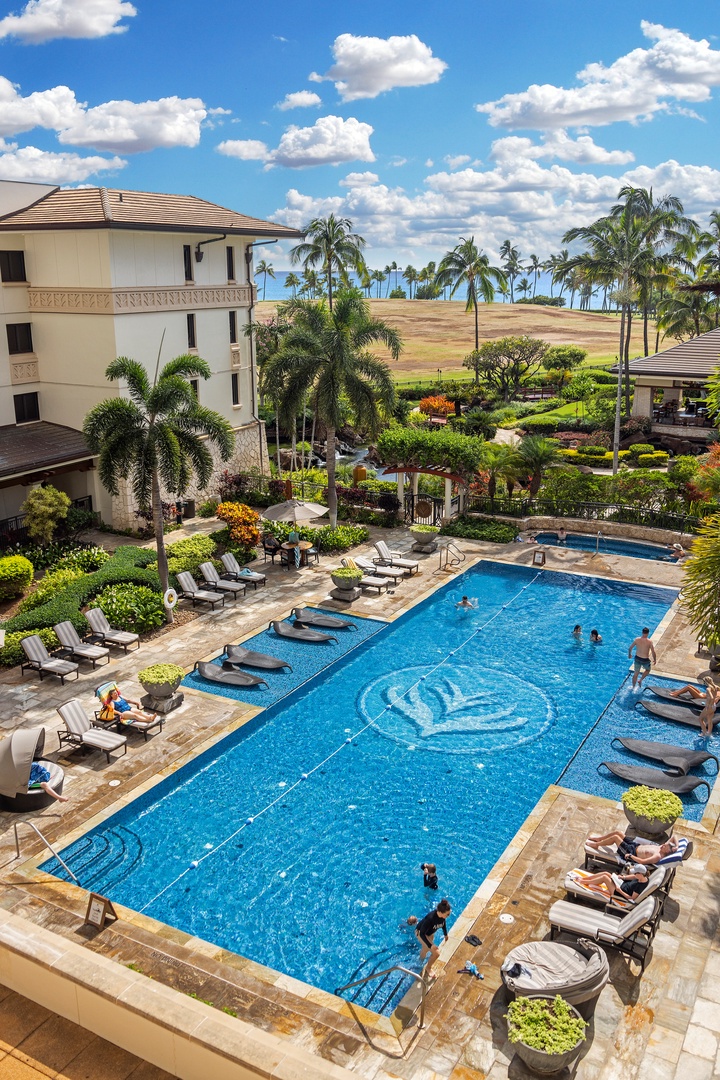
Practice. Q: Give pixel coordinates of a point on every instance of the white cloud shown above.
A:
(53, 109)
(633, 88)
(46, 20)
(48, 167)
(558, 144)
(131, 126)
(454, 161)
(429, 163)
(359, 179)
(330, 141)
(301, 99)
(367, 66)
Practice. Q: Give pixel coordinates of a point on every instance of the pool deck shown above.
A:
(665, 1024)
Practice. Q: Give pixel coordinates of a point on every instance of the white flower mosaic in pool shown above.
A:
(461, 708)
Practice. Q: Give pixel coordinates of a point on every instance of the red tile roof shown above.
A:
(107, 208)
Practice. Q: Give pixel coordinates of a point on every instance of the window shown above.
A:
(187, 260)
(192, 335)
(235, 388)
(19, 337)
(230, 253)
(27, 407)
(233, 327)
(12, 265)
(195, 387)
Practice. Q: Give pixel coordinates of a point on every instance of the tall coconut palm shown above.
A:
(536, 454)
(524, 286)
(157, 437)
(325, 356)
(331, 245)
(378, 277)
(534, 267)
(466, 265)
(502, 463)
(292, 281)
(511, 265)
(266, 269)
(410, 275)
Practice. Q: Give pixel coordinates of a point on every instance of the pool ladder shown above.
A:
(450, 558)
(411, 1001)
(47, 844)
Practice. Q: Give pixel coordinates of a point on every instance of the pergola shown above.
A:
(414, 471)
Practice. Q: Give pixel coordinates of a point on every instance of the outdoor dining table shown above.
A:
(302, 545)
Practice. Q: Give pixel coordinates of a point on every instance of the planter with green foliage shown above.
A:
(651, 812)
(161, 680)
(346, 578)
(547, 1033)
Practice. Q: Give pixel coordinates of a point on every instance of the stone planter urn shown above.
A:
(541, 1061)
(651, 812)
(160, 683)
(346, 585)
(424, 538)
(648, 827)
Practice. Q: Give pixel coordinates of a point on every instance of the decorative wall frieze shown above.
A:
(128, 301)
(23, 371)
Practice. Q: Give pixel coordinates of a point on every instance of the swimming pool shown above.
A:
(608, 545)
(431, 741)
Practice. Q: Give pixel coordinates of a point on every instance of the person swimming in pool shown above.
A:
(577, 631)
(425, 933)
(562, 536)
(595, 638)
(430, 878)
(466, 603)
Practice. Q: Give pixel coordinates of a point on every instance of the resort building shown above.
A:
(670, 388)
(90, 274)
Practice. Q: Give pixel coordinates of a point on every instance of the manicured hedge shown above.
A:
(470, 528)
(16, 574)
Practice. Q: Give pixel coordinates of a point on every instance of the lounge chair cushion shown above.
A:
(578, 972)
(593, 923)
(597, 894)
(608, 853)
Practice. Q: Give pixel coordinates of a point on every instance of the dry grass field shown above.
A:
(438, 333)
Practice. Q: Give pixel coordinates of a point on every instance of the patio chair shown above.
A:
(79, 731)
(393, 558)
(215, 582)
(101, 628)
(235, 572)
(577, 972)
(102, 693)
(69, 638)
(395, 573)
(40, 660)
(592, 894)
(369, 581)
(632, 934)
(271, 546)
(190, 590)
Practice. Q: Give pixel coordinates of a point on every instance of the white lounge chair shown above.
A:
(606, 856)
(101, 628)
(371, 581)
(119, 720)
(632, 934)
(591, 894)
(215, 582)
(40, 660)
(81, 732)
(395, 573)
(69, 638)
(241, 573)
(190, 590)
(394, 558)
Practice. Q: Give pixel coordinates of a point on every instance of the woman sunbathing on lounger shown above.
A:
(639, 851)
(628, 885)
(127, 710)
(695, 694)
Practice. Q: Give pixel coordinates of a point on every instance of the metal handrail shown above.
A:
(379, 974)
(47, 844)
(445, 562)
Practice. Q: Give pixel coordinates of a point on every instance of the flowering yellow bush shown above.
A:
(242, 521)
(436, 405)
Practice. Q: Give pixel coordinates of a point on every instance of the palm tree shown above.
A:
(685, 314)
(535, 266)
(501, 462)
(388, 274)
(325, 356)
(264, 268)
(378, 277)
(158, 435)
(536, 453)
(292, 281)
(511, 266)
(410, 275)
(466, 265)
(524, 286)
(333, 246)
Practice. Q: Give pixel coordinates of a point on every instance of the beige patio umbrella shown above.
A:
(16, 757)
(294, 510)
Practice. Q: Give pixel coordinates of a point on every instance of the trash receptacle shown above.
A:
(189, 508)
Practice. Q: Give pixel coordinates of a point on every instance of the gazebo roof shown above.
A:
(693, 359)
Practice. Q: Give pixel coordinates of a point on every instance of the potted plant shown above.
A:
(346, 581)
(161, 680)
(651, 812)
(547, 1033)
(425, 536)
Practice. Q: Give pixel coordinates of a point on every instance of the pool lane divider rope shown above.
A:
(347, 742)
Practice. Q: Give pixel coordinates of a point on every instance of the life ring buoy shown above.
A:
(170, 598)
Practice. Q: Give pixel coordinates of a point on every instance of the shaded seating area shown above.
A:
(81, 732)
(37, 658)
(102, 629)
(17, 754)
(72, 643)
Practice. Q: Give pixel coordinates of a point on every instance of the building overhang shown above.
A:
(29, 453)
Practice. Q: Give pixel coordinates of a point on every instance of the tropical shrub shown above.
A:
(550, 1026)
(44, 509)
(54, 582)
(186, 555)
(12, 653)
(327, 540)
(43, 556)
(83, 559)
(243, 523)
(569, 485)
(131, 607)
(473, 528)
(640, 448)
(208, 508)
(541, 425)
(348, 574)
(543, 301)
(460, 454)
(648, 802)
(701, 585)
(436, 405)
(653, 461)
(161, 673)
(16, 574)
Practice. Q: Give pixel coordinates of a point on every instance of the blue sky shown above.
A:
(420, 122)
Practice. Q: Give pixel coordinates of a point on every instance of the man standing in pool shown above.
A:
(425, 933)
(644, 657)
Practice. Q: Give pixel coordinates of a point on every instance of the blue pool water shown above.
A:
(609, 546)
(406, 761)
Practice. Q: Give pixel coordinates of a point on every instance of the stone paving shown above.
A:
(665, 1024)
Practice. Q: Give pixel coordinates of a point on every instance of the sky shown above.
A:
(421, 123)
